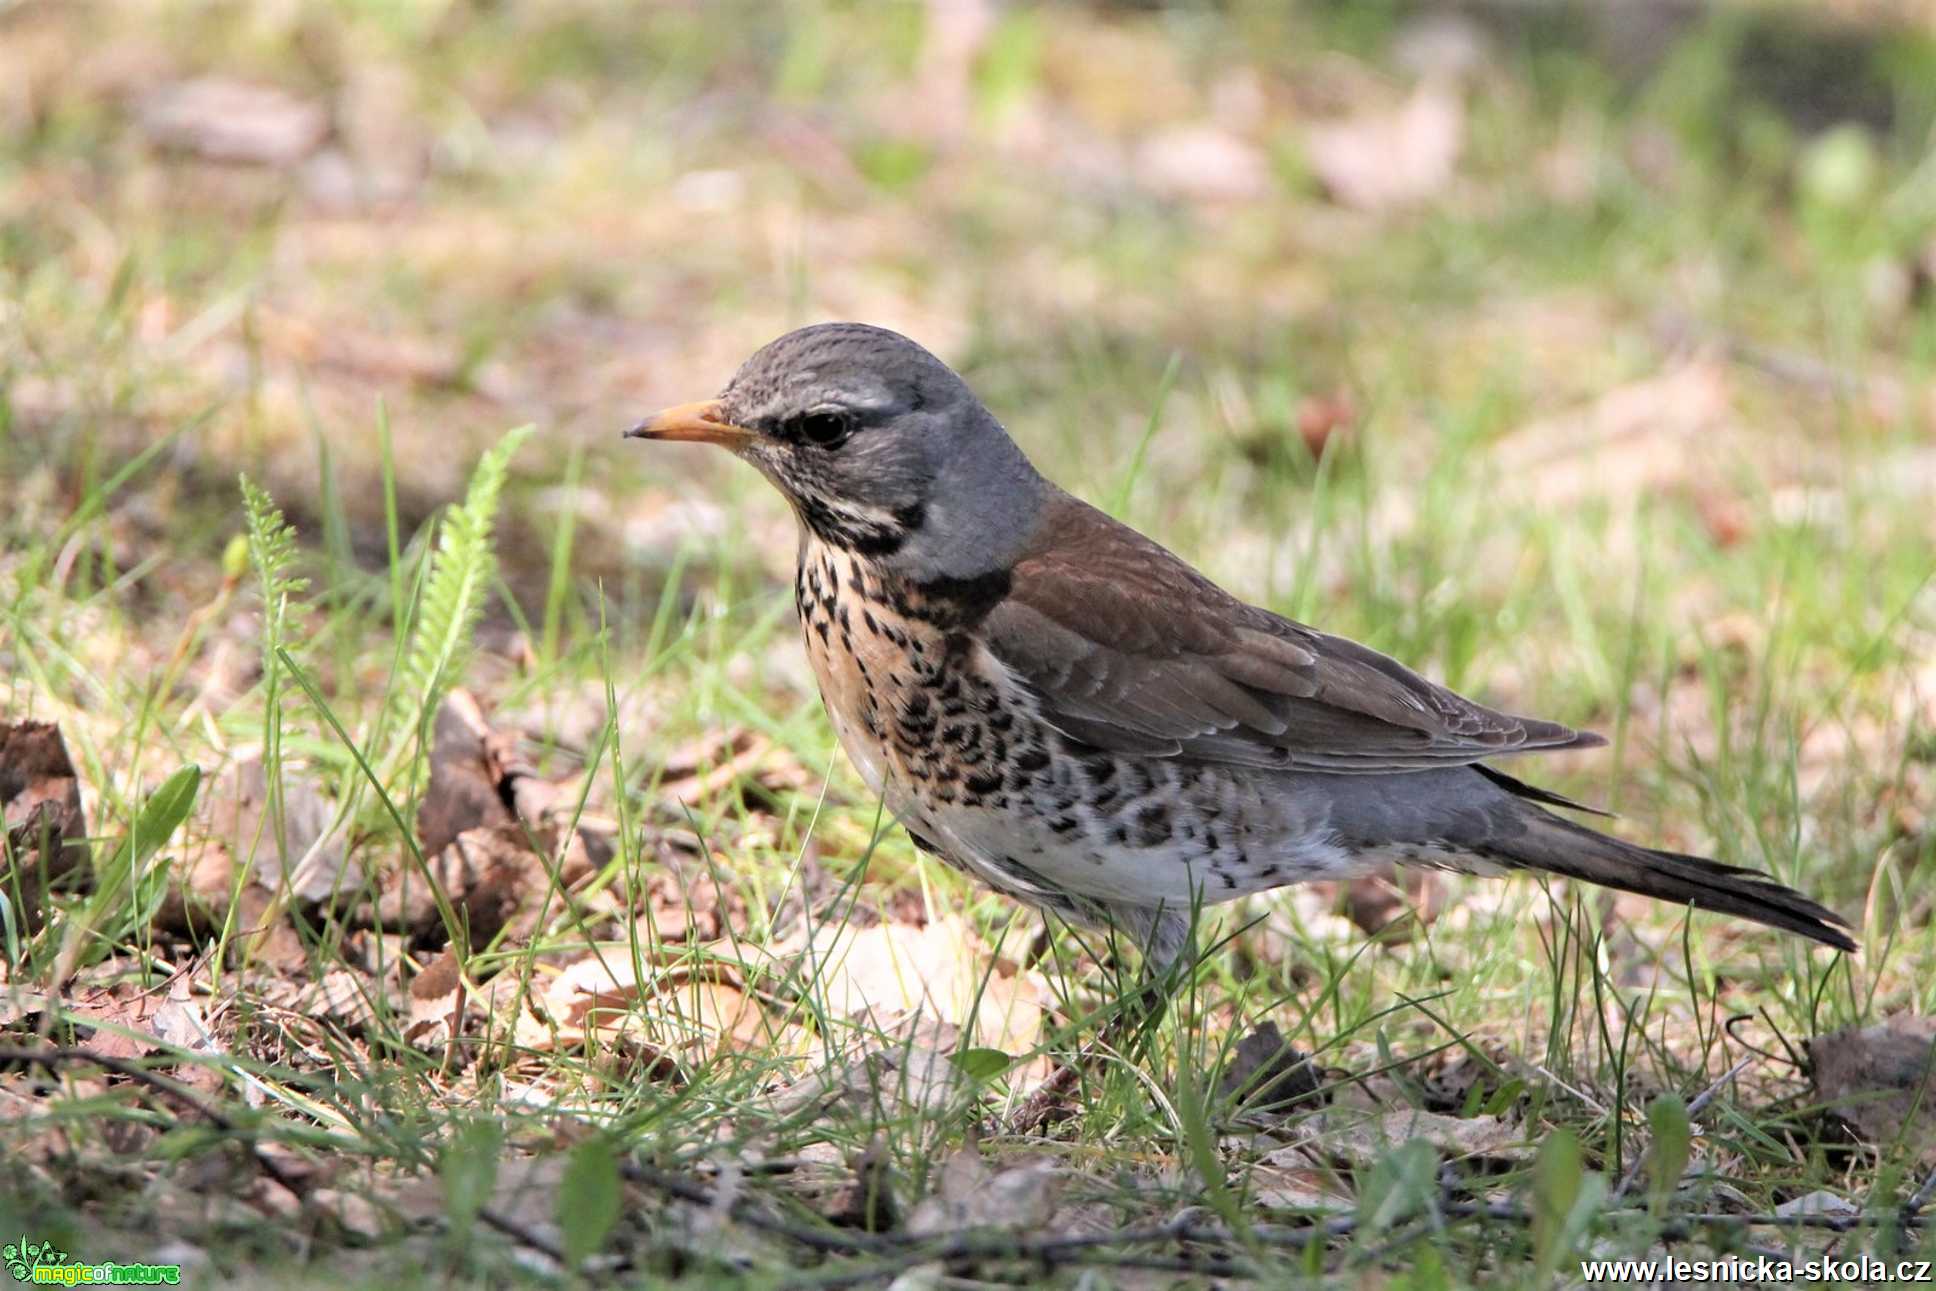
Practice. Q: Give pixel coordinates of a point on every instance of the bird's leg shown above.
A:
(1129, 1028)
(1135, 1017)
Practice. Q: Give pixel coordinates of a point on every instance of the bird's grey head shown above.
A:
(879, 446)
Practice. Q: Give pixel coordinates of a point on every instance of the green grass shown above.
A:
(1735, 586)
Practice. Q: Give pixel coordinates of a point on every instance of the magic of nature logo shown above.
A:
(45, 1264)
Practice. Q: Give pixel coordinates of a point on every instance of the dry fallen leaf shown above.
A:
(233, 121)
(1201, 163)
(180, 1023)
(706, 767)
(701, 1017)
(892, 972)
(1268, 1076)
(479, 780)
(297, 846)
(200, 883)
(1386, 161)
(973, 1193)
(340, 995)
(491, 878)
(1448, 1077)
(863, 1195)
(1360, 1140)
(580, 841)
(351, 1212)
(1324, 420)
(908, 1079)
(40, 797)
(464, 792)
(676, 1017)
(120, 1019)
(1820, 1202)
(1278, 1184)
(1631, 442)
(274, 942)
(436, 1004)
(685, 901)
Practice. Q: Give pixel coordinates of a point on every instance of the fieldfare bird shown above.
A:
(1062, 708)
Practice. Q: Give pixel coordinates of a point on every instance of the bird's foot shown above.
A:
(1124, 1035)
(1050, 1101)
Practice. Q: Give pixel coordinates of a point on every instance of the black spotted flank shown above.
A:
(1153, 826)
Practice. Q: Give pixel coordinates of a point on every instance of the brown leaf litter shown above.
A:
(896, 974)
(120, 1020)
(1880, 1083)
(662, 1023)
(480, 815)
(491, 878)
(436, 1004)
(735, 757)
(686, 901)
(910, 1077)
(974, 1192)
(40, 797)
(233, 121)
(969, 1190)
(1266, 1076)
(1287, 1180)
(291, 849)
(1360, 1138)
(1385, 161)
(295, 847)
(864, 1196)
(508, 848)
(469, 766)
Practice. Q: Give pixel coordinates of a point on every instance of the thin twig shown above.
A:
(905, 1249)
(880, 1272)
(902, 1250)
(1680, 1225)
(1808, 371)
(524, 1236)
(51, 1060)
(1912, 1209)
(1093, 1248)
(747, 1210)
(1674, 1228)
(1580, 1094)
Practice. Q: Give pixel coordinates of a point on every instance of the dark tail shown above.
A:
(1562, 847)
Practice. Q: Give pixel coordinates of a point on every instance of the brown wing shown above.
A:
(1130, 649)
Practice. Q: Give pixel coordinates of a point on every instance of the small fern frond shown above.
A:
(273, 552)
(455, 589)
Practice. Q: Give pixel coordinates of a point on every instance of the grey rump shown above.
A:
(1058, 705)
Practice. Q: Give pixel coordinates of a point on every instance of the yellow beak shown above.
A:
(696, 422)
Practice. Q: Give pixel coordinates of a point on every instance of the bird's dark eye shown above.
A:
(825, 428)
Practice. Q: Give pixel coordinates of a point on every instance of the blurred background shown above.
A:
(1578, 353)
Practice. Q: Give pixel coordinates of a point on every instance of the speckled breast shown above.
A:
(915, 705)
(953, 744)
